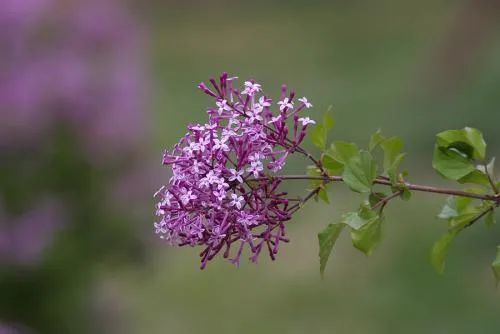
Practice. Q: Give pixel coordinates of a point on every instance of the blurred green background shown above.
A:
(410, 68)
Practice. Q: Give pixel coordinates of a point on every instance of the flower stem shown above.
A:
(383, 201)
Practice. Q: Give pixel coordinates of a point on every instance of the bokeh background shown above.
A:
(92, 91)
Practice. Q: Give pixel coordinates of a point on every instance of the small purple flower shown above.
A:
(220, 194)
(306, 103)
(222, 191)
(286, 103)
(306, 120)
(255, 168)
(222, 106)
(236, 201)
(187, 196)
(274, 119)
(251, 88)
(236, 175)
(221, 144)
(263, 102)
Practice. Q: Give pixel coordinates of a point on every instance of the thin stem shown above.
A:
(446, 191)
(382, 181)
(492, 182)
(383, 201)
(481, 215)
(297, 206)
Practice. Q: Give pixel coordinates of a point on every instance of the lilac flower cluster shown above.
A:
(222, 190)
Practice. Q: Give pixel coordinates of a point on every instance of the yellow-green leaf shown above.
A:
(375, 140)
(333, 166)
(343, 151)
(440, 250)
(368, 236)
(327, 239)
(451, 164)
(468, 140)
(495, 266)
(360, 171)
(490, 218)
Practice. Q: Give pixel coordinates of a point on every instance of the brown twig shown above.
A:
(383, 181)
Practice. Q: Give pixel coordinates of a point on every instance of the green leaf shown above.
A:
(332, 165)
(314, 171)
(357, 219)
(449, 209)
(406, 194)
(392, 157)
(459, 222)
(328, 120)
(375, 140)
(327, 239)
(440, 250)
(366, 212)
(489, 174)
(360, 171)
(476, 177)
(455, 206)
(495, 266)
(460, 211)
(491, 167)
(353, 220)
(318, 137)
(323, 195)
(392, 171)
(451, 164)
(463, 204)
(490, 218)
(468, 140)
(343, 151)
(392, 148)
(455, 153)
(368, 236)
(375, 197)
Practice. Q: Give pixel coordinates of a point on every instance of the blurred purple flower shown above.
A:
(24, 238)
(77, 62)
(14, 329)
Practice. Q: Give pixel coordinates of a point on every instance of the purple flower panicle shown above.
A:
(222, 194)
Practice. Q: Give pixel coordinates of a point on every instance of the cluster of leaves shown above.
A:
(459, 155)
(361, 171)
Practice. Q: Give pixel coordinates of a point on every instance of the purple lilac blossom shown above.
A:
(222, 192)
